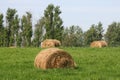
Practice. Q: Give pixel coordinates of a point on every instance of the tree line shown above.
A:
(19, 32)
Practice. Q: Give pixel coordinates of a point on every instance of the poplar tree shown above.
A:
(26, 28)
(39, 32)
(10, 26)
(112, 35)
(16, 31)
(73, 36)
(53, 22)
(94, 33)
(1, 30)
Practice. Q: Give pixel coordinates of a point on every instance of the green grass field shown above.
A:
(92, 64)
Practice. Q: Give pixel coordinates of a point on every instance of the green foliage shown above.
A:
(1, 30)
(1, 21)
(10, 17)
(73, 36)
(53, 22)
(92, 64)
(39, 32)
(19, 39)
(113, 34)
(16, 31)
(19, 32)
(94, 33)
(26, 29)
(5, 37)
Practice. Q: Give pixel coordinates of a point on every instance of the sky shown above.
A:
(81, 13)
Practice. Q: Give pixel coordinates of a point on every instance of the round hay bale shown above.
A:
(104, 43)
(56, 42)
(12, 47)
(98, 44)
(50, 43)
(53, 58)
(95, 44)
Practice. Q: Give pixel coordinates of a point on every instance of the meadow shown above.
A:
(92, 64)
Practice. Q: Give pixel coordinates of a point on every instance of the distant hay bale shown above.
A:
(56, 42)
(12, 47)
(98, 44)
(54, 58)
(50, 43)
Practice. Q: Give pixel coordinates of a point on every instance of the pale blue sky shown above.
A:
(74, 12)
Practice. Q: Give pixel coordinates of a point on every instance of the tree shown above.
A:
(53, 22)
(112, 35)
(16, 31)
(100, 31)
(10, 26)
(94, 33)
(90, 35)
(23, 30)
(73, 36)
(5, 37)
(39, 32)
(26, 29)
(1, 30)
